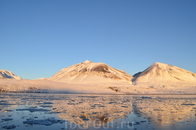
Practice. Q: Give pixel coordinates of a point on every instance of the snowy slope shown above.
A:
(24, 85)
(160, 72)
(5, 74)
(88, 72)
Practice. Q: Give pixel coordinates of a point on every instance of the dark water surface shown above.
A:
(37, 111)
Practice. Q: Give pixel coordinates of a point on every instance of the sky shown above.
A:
(40, 37)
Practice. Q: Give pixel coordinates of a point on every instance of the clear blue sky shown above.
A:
(40, 37)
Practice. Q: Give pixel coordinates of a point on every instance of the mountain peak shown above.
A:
(87, 61)
(158, 63)
(5, 74)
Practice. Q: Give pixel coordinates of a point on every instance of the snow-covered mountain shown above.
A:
(5, 74)
(160, 72)
(89, 72)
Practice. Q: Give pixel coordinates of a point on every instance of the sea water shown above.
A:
(37, 111)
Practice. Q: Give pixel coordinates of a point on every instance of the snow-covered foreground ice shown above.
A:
(84, 111)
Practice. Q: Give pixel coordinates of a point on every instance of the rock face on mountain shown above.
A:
(5, 74)
(159, 72)
(90, 72)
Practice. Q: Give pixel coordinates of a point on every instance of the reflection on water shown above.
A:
(82, 111)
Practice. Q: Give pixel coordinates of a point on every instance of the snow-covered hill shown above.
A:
(164, 73)
(88, 72)
(5, 74)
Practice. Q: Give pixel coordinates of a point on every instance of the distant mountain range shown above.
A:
(87, 70)
(89, 77)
